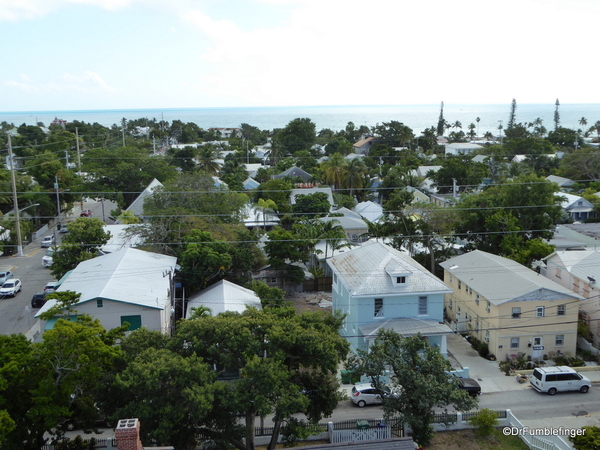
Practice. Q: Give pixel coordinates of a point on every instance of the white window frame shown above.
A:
(515, 342)
(423, 305)
(540, 311)
(516, 312)
(561, 310)
(378, 312)
(559, 340)
(488, 308)
(477, 299)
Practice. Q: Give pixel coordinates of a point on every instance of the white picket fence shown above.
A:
(370, 434)
(537, 442)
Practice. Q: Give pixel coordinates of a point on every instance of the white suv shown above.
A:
(47, 258)
(560, 378)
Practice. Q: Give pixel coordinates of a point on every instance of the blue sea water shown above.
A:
(417, 117)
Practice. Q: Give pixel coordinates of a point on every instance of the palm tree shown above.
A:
(583, 122)
(488, 136)
(471, 132)
(207, 160)
(333, 234)
(457, 124)
(333, 170)
(477, 120)
(353, 174)
(266, 205)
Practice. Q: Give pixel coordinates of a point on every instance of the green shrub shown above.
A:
(484, 421)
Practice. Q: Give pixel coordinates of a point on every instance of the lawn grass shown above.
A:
(468, 440)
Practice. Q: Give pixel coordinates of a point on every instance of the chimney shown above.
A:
(127, 434)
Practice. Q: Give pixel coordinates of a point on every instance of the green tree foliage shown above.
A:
(54, 379)
(254, 134)
(484, 421)
(284, 246)
(565, 138)
(394, 134)
(128, 170)
(299, 134)
(203, 260)
(189, 202)
(311, 205)
(420, 380)
(338, 145)
(279, 191)
(519, 210)
(270, 296)
(287, 364)
(589, 439)
(468, 174)
(85, 238)
(170, 394)
(583, 164)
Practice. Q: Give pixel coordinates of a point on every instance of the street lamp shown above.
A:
(58, 199)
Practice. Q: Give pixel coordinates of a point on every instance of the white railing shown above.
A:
(371, 434)
(537, 442)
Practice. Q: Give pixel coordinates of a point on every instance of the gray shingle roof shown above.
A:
(502, 280)
(363, 270)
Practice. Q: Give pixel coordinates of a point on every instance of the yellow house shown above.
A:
(512, 308)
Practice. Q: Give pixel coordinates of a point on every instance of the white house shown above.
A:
(137, 207)
(461, 148)
(223, 296)
(130, 286)
(578, 208)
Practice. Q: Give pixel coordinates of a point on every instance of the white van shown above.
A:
(560, 378)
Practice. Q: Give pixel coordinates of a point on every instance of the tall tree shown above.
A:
(287, 364)
(512, 116)
(441, 121)
(556, 115)
(419, 381)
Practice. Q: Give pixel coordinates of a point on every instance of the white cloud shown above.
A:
(88, 82)
(13, 10)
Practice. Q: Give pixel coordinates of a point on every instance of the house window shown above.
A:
(559, 340)
(514, 342)
(476, 324)
(487, 335)
(423, 306)
(488, 308)
(539, 311)
(470, 291)
(99, 303)
(134, 322)
(335, 278)
(451, 278)
(516, 313)
(400, 280)
(558, 273)
(378, 311)
(477, 299)
(273, 280)
(560, 310)
(450, 304)
(458, 309)
(459, 284)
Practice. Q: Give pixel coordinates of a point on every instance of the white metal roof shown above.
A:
(137, 207)
(224, 296)
(363, 271)
(581, 263)
(128, 276)
(502, 280)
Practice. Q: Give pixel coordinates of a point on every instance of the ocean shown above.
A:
(417, 117)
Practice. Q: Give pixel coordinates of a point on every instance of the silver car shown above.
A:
(365, 394)
(5, 275)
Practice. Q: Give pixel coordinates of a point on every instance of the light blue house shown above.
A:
(379, 287)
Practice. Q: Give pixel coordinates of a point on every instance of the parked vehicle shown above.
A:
(38, 300)
(470, 385)
(365, 394)
(87, 213)
(6, 275)
(559, 378)
(50, 287)
(47, 258)
(48, 241)
(10, 288)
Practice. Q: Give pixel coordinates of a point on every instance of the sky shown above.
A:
(130, 54)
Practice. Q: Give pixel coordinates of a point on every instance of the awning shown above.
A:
(406, 326)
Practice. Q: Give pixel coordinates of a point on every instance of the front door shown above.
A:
(538, 348)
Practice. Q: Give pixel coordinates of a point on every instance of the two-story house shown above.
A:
(579, 271)
(512, 308)
(378, 287)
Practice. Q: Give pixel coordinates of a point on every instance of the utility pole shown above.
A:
(15, 202)
(78, 159)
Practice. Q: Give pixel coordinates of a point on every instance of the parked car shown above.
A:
(47, 258)
(48, 241)
(10, 288)
(38, 300)
(365, 394)
(5, 275)
(63, 229)
(87, 213)
(470, 385)
(559, 378)
(50, 287)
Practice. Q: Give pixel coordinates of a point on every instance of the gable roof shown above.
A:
(561, 181)
(365, 271)
(502, 280)
(120, 237)
(128, 276)
(369, 210)
(294, 172)
(137, 206)
(582, 264)
(313, 190)
(224, 296)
